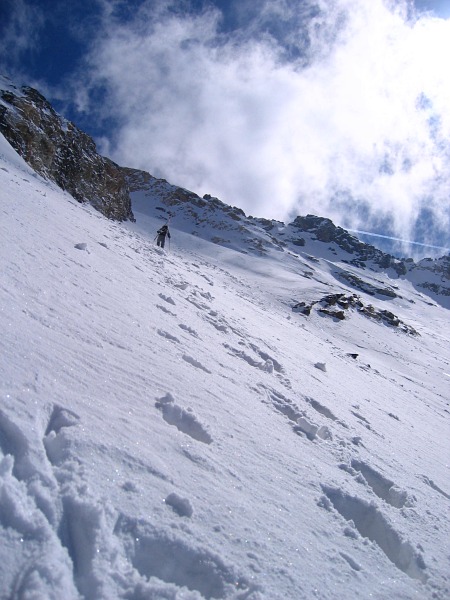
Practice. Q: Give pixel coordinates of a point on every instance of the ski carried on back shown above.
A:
(162, 233)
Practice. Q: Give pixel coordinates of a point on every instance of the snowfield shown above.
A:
(172, 428)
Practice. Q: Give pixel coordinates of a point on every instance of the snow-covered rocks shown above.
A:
(181, 506)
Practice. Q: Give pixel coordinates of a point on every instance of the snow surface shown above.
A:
(171, 429)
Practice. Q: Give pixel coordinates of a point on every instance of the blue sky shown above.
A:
(338, 107)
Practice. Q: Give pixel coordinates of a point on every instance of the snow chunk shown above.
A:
(184, 420)
(181, 506)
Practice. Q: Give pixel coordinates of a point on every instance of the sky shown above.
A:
(338, 108)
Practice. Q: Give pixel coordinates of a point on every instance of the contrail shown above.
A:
(388, 237)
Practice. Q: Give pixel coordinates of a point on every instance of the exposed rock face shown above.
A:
(440, 268)
(339, 306)
(431, 275)
(56, 149)
(326, 231)
(170, 195)
(365, 286)
(181, 198)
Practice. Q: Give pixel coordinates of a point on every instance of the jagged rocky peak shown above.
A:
(439, 265)
(326, 231)
(433, 275)
(168, 194)
(56, 149)
(137, 179)
(175, 197)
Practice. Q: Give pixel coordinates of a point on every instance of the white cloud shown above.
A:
(244, 117)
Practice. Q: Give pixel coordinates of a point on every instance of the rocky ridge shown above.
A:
(59, 151)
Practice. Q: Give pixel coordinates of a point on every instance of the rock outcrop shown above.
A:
(59, 151)
(339, 306)
(326, 231)
(432, 276)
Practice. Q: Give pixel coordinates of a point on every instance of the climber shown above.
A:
(161, 235)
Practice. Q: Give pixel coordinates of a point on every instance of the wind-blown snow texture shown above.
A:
(171, 427)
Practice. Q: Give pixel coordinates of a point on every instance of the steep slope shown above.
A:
(173, 427)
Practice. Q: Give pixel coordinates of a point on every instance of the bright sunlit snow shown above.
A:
(170, 428)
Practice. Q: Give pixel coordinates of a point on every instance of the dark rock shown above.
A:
(352, 302)
(303, 308)
(336, 314)
(56, 149)
(266, 224)
(399, 268)
(325, 231)
(365, 286)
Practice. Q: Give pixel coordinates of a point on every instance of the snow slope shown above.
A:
(170, 428)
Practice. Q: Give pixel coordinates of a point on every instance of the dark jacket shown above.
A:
(164, 231)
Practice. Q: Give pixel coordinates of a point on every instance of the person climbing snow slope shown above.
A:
(162, 233)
